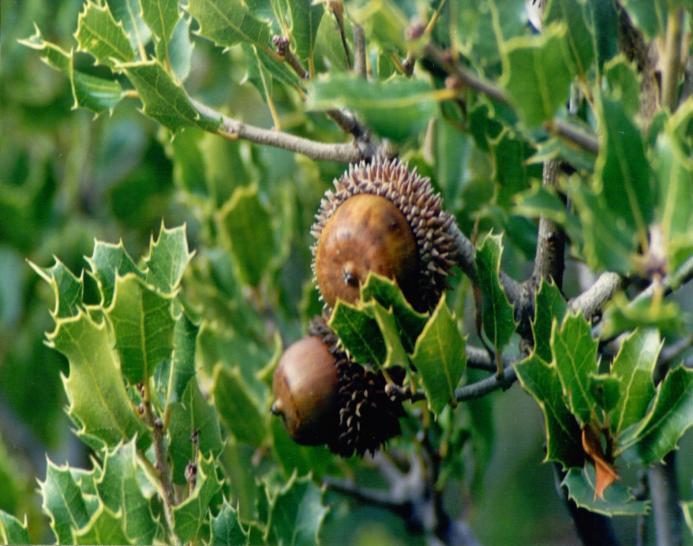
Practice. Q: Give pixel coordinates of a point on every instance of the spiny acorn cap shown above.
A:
(415, 198)
(368, 417)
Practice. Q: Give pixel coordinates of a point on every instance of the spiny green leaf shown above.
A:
(396, 109)
(386, 292)
(97, 395)
(120, 492)
(163, 99)
(297, 458)
(129, 13)
(247, 227)
(575, 354)
(305, 20)
(549, 305)
(542, 201)
(104, 527)
(604, 23)
(497, 312)
(94, 93)
(226, 527)
(358, 332)
(440, 357)
(297, 514)
(395, 354)
(182, 366)
(99, 34)
(621, 315)
(579, 36)
(670, 415)
(68, 290)
(12, 531)
(483, 27)
(142, 326)
(687, 509)
(63, 502)
(622, 171)
(609, 244)
(180, 50)
(674, 171)
(634, 365)
(622, 79)
(605, 390)
(161, 16)
(537, 72)
(617, 501)
(189, 515)
(511, 168)
(240, 413)
(106, 262)
(192, 415)
(562, 431)
(168, 257)
(229, 22)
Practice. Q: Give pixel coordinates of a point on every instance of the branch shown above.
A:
(591, 300)
(233, 129)
(549, 260)
(558, 127)
(665, 502)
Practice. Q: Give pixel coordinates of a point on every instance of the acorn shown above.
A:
(382, 217)
(325, 398)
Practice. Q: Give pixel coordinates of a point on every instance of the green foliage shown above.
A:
(167, 358)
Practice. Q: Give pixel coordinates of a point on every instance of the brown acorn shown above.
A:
(305, 389)
(325, 398)
(384, 218)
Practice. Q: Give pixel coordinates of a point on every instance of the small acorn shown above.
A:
(384, 218)
(325, 398)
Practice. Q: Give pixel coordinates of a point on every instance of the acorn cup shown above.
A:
(384, 218)
(325, 398)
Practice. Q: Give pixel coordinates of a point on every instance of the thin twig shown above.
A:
(672, 58)
(574, 135)
(466, 76)
(360, 66)
(233, 129)
(344, 119)
(478, 389)
(282, 45)
(162, 467)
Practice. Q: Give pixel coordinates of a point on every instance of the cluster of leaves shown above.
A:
(601, 412)
(630, 212)
(133, 390)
